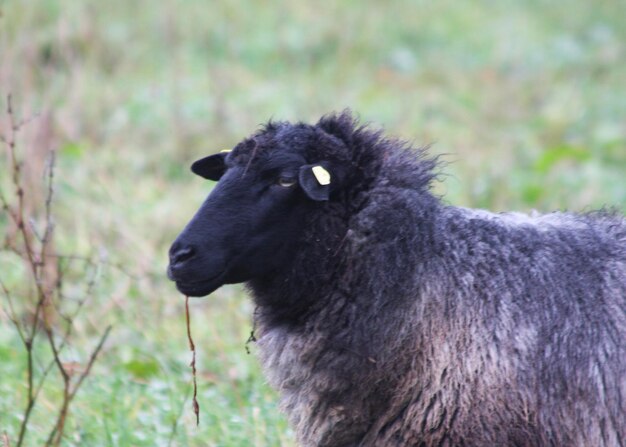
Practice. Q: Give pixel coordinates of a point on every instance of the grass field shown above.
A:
(526, 99)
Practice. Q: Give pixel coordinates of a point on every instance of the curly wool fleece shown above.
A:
(403, 321)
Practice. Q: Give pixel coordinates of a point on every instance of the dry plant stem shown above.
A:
(87, 260)
(192, 347)
(17, 215)
(68, 332)
(69, 391)
(35, 252)
(12, 314)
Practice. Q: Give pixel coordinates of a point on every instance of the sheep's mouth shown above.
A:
(200, 288)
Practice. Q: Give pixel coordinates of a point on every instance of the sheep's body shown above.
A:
(387, 318)
(441, 326)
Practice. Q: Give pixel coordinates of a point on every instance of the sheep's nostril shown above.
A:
(182, 255)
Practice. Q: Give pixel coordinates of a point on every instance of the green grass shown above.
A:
(526, 99)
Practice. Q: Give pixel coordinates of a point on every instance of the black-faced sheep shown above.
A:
(388, 318)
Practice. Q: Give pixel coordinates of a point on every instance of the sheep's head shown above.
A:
(248, 226)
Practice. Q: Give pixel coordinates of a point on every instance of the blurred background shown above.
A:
(527, 100)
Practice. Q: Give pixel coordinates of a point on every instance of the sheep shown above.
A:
(386, 317)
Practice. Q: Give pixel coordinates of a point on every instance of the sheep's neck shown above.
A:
(308, 281)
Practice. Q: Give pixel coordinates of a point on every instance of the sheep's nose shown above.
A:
(180, 253)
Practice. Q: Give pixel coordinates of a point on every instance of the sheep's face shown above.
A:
(248, 225)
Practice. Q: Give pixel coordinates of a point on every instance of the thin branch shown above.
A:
(69, 319)
(33, 228)
(48, 206)
(87, 260)
(17, 125)
(69, 394)
(35, 248)
(92, 359)
(13, 315)
(18, 217)
(30, 400)
(57, 358)
(3, 200)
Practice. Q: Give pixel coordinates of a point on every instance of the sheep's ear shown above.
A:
(316, 181)
(211, 167)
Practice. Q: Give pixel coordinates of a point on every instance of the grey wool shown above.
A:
(400, 320)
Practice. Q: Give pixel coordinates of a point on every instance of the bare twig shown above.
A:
(48, 206)
(12, 316)
(192, 347)
(86, 259)
(17, 125)
(69, 319)
(70, 392)
(17, 213)
(35, 248)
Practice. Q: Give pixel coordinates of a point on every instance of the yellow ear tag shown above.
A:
(226, 150)
(322, 175)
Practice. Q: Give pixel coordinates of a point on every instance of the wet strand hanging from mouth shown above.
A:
(192, 347)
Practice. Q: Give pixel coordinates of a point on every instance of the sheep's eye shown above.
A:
(286, 182)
